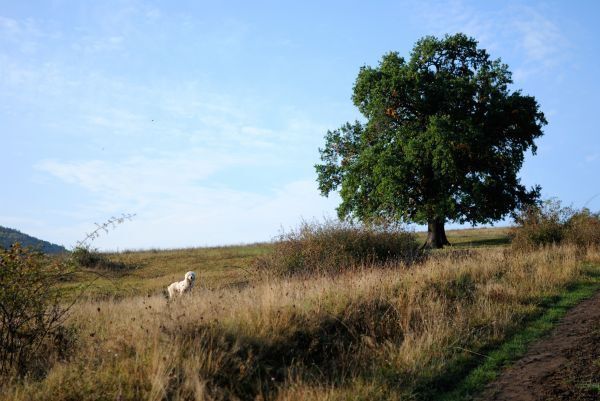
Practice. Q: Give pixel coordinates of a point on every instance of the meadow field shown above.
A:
(152, 270)
(398, 331)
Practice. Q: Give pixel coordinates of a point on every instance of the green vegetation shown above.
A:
(444, 140)
(9, 236)
(32, 311)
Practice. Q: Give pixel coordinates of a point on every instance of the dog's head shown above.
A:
(190, 276)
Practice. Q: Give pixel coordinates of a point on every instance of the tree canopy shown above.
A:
(443, 140)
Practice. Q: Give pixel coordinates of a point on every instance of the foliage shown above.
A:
(33, 306)
(335, 246)
(540, 225)
(443, 141)
(551, 223)
(583, 229)
(31, 309)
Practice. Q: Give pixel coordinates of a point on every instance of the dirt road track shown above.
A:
(563, 366)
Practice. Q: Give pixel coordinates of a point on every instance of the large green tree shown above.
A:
(443, 140)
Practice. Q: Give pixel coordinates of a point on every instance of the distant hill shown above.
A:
(9, 236)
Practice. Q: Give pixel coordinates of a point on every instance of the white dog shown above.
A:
(181, 287)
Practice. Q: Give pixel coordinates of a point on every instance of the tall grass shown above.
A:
(388, 333)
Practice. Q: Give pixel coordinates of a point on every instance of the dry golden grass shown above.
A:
(384, 333)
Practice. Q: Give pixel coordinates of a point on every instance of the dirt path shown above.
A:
(563, 366)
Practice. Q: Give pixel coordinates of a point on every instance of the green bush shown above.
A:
(551, 223)
(333, 246)
(31, 311)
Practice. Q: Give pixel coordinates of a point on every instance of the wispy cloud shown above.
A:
(173, 193)
(519, 31)
(544, 46)
(455, 16)
(541, 38)
(9, 26)
(89, 44)
(24, 36)
(17, 29)
(143, 174)
(218, 218)
(591, 158)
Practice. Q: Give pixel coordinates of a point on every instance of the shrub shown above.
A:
(333, 246)
(92, 259)
(540, 225)
(31, 310)
(551, 223)
(583, 229)
(84, 256)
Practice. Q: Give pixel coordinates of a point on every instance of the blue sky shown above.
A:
(204, 118)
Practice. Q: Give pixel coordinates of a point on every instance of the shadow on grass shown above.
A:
(322, 350)
(482, 242)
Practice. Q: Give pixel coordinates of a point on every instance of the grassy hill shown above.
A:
(9, 236)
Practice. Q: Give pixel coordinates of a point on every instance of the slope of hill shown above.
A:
(9, 236)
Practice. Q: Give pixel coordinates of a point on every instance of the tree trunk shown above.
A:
(436, 235)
